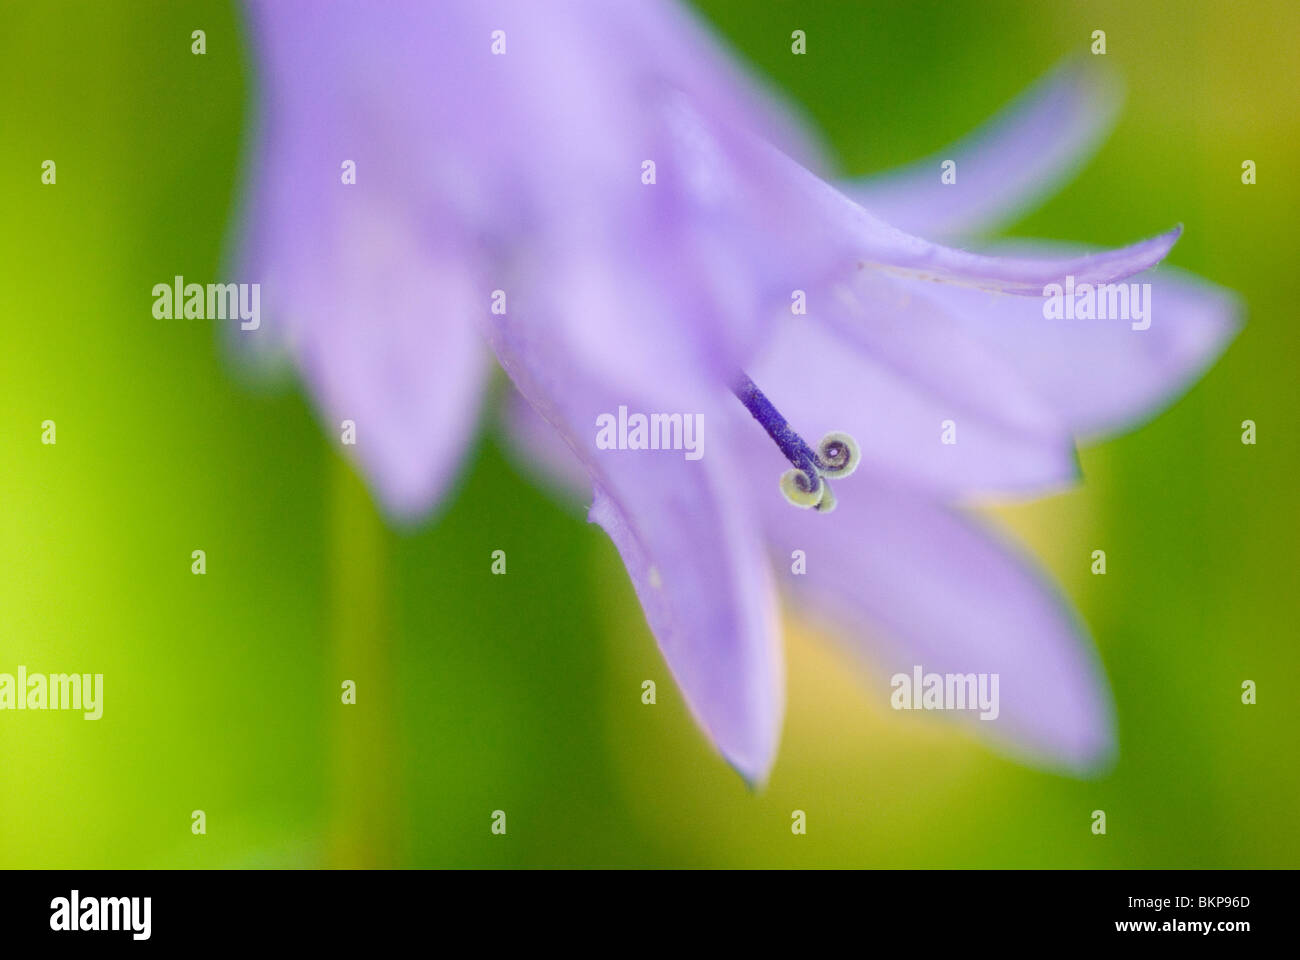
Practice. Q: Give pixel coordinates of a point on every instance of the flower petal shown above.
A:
(371, 286)
(895, 402)
(493, 159)
(539, 450)
(822, 227)
(911, 584)
(1029, 148)
(379, 320)
(1103, 376)
(703, 583)
(682, 529)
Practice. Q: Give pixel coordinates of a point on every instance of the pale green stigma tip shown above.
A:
(827, 503)
(796, 486)
(838, 455)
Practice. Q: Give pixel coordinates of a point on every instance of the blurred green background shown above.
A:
(522, 692)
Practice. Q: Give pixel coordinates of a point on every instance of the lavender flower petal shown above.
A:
(538, 450)
(1102, 376)
(684, 531)
(895, 573)
(498, 157)
(815, 230)
(824, 381)
(411, 387)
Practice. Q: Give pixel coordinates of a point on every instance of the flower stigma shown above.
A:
(805, 485)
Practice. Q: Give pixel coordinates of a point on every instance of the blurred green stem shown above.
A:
(364, 801)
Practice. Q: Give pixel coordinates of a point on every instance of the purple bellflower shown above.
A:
(601, 195)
